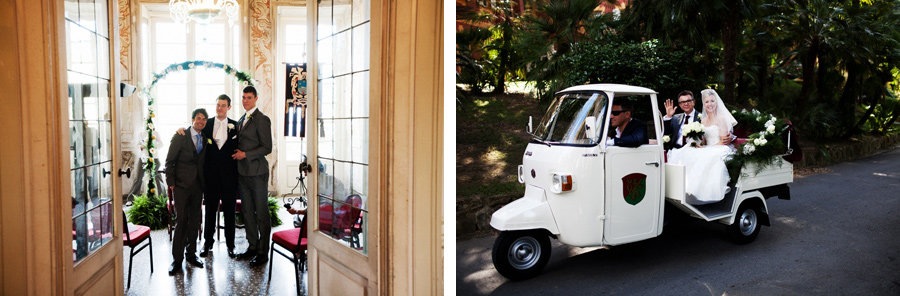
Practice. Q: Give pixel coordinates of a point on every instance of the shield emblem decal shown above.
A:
(634, 186)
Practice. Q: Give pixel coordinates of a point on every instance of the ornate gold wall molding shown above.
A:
(262, 64)
(125, 40)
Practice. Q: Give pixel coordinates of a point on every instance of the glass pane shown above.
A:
(93, 186)
(295, 53)
(325, 58)
(105, 141)
(102, 18)
(106, 179)
(342, 143)
(341, 180)
(210, 76)
(76, 142)
(103, 99)
(71, 7)
(81, 50)
(360, 141)
(91, 142)
(326, 98)
(79, 198)
(91, 106)
(342, 91)
(76, 94)
(342, 17)
(170, 33)
(342, 58)
(361, 45)
(326, 178)
(326, 138)
(167, 54)
(103, 58)
(360, 100)
(87, 14)
(211, 34)
(360, 11)
(325, 28)
(79, 236)
(360, 184)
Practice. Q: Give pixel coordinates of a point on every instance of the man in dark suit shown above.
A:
(672, 123)
(221, 175)
(184, 173)
(254, 143)
(628, 132)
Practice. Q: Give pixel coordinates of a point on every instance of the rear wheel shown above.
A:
(520, 255)
(746, 225)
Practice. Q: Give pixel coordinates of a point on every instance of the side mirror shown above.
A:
(590, 123)
(530, 128)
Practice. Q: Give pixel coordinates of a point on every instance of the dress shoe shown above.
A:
(194, 261)
(249, 254)
(231, 253)
(206, 251)
(174, 268)
(258, 260)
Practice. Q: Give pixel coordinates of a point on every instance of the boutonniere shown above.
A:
(230, 126)
(249, 116)
(208, 141)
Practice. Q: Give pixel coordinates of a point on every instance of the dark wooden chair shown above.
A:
(134, 239)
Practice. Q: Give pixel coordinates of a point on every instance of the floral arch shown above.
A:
(149, 145)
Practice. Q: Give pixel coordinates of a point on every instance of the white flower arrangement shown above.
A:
(694, 133)
(230, 126)
(666, 139)
(749, 148)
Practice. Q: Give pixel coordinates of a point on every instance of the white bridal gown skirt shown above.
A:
(705, 174)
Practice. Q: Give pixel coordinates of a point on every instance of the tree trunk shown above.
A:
(808, 63)
(730, 43)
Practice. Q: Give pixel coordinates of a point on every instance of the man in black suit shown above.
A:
(184, 174)
(629, 132)
(672, 123)
(221, 175)
(254, 143)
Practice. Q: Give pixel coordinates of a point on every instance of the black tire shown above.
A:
(520, 255)
(746, 224)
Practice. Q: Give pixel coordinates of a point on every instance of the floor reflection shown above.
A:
(220, 274)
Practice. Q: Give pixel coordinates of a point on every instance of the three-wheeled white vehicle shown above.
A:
(585, 193)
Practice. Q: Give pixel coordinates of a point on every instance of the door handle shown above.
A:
(126, 172)
(654, 163)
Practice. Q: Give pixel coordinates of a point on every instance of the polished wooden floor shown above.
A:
(220, 274)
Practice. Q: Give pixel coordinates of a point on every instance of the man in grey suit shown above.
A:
(674, 122)
(254, 143)
(184, 174)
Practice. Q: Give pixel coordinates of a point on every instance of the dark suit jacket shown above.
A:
(672, 128)
(221, 169)
(255, 139)
(634, 135)
(184, 167)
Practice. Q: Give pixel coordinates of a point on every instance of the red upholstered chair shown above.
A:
(292, 245)
(351, 220)
(134, 238)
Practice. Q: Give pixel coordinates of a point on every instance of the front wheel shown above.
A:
(520, 255)
(746, 225)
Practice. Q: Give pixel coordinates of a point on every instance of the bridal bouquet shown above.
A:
(693, 133)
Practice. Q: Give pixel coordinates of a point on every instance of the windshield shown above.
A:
(564, 122)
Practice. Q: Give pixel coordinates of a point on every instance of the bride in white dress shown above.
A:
(706, 177)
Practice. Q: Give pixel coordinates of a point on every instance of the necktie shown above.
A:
(687, 119)
(243, 120)
(199, 144)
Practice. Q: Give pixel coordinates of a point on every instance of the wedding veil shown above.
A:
(723, 116)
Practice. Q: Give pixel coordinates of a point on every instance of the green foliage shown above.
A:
(882, 119)
(636, 63)
(273, 211)
(149, 211)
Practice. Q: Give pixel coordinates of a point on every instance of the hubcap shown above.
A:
(748, 222)
(524, 253)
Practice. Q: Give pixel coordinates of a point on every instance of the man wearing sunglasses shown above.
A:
(672, 123)
(628, 132)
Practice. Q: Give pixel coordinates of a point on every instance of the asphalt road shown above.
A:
(838, 235)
